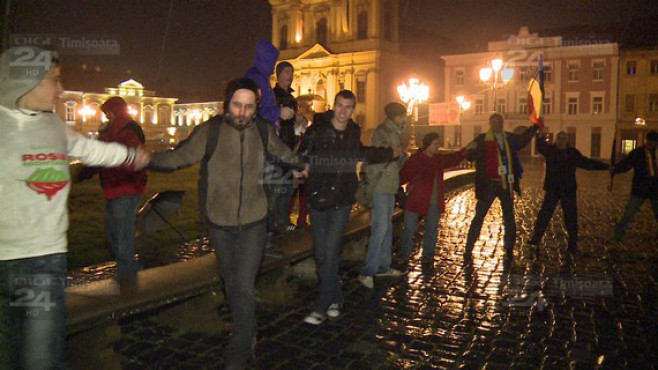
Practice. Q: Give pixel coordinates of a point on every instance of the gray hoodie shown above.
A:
(35, 149)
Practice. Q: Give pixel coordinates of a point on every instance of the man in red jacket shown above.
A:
(423, 173)
(123, 189)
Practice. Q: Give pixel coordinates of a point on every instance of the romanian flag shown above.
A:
(536, 96)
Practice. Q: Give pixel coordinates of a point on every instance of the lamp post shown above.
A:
(464, 105)
(501, 75)
(412, 95)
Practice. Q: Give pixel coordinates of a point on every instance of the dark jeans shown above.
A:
(493, 190)
(431, 232)
(120, 215)
(328, 228)
(632, 207)
(280, 206)
(570, 209)
(33, 313)
(239, 251)
(300, 193)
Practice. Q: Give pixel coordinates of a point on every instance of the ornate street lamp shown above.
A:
(412, 95)
(501, 75)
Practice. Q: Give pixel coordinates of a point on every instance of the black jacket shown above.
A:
(516, 143)
(561, 165)
(643, 186)
(333, 180)
(286, 127)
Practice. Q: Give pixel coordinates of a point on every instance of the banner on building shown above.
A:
(443, 114)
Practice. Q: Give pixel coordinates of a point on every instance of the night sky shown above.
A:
(211, 42)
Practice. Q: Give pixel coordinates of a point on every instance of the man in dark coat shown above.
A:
(497, 174)
(332, 146)
(560, 185)
(645, 183)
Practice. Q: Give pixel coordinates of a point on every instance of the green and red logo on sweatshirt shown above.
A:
(48, 181)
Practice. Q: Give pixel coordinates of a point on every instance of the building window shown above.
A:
(459, 77)
(571, 133)
(548, 73)
(597, 105)
(479, 106)
(573, 68)
(572, 106)
(628, 140)
(360, 91)
(362, 26)
(523, 105)
(283, 37)
(501, 106)
(547, 106)
(653, 103)
(631, 67)
(595, 148)
(629, 104)
(70, 113)
(597, 70)
(654, 67)
(321, 31)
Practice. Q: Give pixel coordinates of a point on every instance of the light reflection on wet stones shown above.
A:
(449, 316)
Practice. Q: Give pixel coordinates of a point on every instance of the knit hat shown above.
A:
(116, 105)
(238, 84)
(394, 110)
(21, 69)
(281, 66)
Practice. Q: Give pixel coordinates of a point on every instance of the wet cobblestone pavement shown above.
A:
(545, 309)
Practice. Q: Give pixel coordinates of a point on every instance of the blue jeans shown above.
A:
(381, 235)
(120, 215)
(328, 228)
(239, 251)
(431, 232)
(632, 207)
(33, 312)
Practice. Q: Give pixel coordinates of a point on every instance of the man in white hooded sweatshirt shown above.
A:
(35, 149)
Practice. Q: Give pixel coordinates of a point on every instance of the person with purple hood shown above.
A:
(264, 61)
(275, 177)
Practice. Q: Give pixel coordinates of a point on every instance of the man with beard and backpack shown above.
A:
(231, 149)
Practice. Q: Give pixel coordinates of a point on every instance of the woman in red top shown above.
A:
(424, 174)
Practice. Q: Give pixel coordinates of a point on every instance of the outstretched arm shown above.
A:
(186, 153)
(590, 164)
(524, 139)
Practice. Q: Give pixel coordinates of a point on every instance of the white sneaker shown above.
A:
(367, 281)
(315, 318)
(333, 311)
(390, 273)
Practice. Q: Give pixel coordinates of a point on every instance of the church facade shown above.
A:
(342, 44)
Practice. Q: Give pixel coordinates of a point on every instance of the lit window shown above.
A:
(597, 105)
(631, 67)
(597, 70)
(572, 106)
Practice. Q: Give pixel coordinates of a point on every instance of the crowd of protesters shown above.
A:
(254, 157)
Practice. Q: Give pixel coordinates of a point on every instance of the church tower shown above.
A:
(341, 44)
